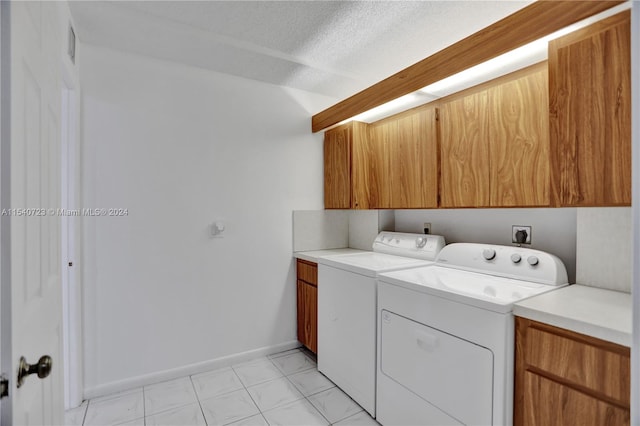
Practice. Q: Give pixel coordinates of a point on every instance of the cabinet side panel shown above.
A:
(311, 306)
(616, 66)
(301, 313)
(590, 105)
(557, 148)
(465, 152)
(337, 168)
(521, 326)
(519, 141)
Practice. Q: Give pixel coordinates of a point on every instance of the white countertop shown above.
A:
(596, 312)
(314, 255)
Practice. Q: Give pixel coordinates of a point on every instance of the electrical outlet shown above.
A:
(427, 228)
(521, 234)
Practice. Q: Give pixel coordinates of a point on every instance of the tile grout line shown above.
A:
(197, 399)
(86, 409)
(316, 408)
(144, 407)
(324, 390)
(286, 376)
(248, 393)
(303, 395)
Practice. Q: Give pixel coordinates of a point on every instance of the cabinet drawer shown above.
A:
(550, 403)
(307, 271)
(580, 361)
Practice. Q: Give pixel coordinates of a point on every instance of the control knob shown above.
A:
(516, 258)
(421, 242)
(533, 260)
(489, 253)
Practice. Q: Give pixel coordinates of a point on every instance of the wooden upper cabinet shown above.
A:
(495, 143)
(392, 163)
(337, 167)
(414, 161)
(374, 162)
(464, 130)
(590, 114)
(519, 141)
(405, 169)
(345, 178)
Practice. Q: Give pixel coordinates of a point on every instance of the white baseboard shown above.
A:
(186, 370)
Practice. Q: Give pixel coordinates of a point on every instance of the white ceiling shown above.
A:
(335, 48)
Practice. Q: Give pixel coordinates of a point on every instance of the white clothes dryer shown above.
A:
(347, 295)
(446, 334)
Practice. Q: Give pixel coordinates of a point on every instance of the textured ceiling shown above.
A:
(335, 48)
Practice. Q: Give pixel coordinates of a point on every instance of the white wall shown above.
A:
(179, 147)
(604, 244)
(553, 230)
(320, 229)
(328, 229)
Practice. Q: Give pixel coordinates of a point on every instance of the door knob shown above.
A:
(42, 368)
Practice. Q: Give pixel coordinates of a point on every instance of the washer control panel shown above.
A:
(506, 261)
(420, 246)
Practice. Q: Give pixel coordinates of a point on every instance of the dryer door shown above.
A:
(450, 373)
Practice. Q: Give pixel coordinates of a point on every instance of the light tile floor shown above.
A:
(281, 389)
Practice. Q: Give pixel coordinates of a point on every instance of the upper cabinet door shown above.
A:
(464, 130)
(519, 141)
(590, 114)
(404, 166)
(337, 167)
(495, 143)
(375, 161)
(414, 161)
(363, 172)
(348, 169)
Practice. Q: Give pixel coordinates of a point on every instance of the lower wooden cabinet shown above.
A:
(566, 378)
(307, 296)
(553, 403)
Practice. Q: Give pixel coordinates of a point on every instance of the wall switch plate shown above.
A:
(521, 234)
(427, 228)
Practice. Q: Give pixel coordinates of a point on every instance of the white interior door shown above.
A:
(31, 259)
(72, 296)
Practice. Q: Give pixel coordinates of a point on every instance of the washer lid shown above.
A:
(489, 292)
(371, 263)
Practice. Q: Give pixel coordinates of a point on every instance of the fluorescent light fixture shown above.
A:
(519, 58)
(511, 61)
(501, 65)
(393, 107)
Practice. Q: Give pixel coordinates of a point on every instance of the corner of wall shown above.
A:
(364, 226)
(320, 229)
(603, 247)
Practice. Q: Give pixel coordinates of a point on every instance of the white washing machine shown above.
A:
(347, 308)
(446, 334)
